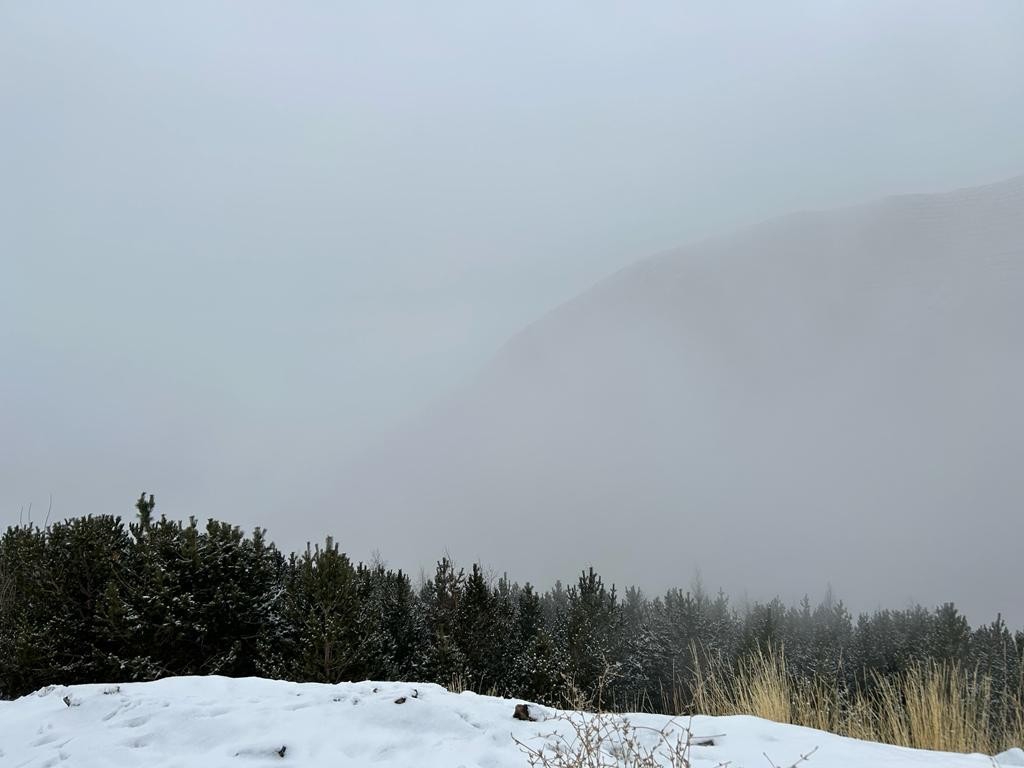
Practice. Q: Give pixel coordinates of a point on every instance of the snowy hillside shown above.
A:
(218, 722)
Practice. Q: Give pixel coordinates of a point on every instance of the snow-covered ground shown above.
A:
(216, 722)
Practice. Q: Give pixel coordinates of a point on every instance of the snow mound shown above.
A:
(217, 722)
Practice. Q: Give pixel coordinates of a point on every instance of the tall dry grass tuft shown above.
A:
(938, 706)
(460, 683)
(935, 706)
(759, 686)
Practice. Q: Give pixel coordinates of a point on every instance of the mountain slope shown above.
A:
(830, 396)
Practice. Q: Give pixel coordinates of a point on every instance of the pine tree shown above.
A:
(950, 635)
(392, 639)
(196, 600)
(477, 633)
(538, 670)
(322, 610)
(442, 596)
(84, 559)
(594, 638)
(25, 655)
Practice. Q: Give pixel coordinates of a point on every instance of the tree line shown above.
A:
(91, 599)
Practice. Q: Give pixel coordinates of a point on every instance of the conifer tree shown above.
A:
(950, 637)
(25, 656)
(442, 597)
(477, 632)
(84, 560)
(594, 638)
(537, 672)
(392, 636)
(322, 610)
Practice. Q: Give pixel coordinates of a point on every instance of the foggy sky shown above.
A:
(241, 244)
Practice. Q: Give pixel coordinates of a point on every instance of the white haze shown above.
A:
(828, 395)
(244, 247)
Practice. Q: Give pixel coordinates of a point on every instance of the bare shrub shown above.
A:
(612, 741)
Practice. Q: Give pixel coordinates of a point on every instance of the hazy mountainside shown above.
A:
(842, 390)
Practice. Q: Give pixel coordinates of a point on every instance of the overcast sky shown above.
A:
(239, 242)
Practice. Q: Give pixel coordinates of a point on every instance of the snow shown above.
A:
(217, 722)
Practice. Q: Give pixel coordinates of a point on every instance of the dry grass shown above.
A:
(935, 707)
(759, 687)
(460, 683)
(931, 706)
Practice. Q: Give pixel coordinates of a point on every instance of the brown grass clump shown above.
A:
(937, 706)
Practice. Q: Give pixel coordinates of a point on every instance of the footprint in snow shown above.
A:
(139, 743)
(44, 740)
(465, 718)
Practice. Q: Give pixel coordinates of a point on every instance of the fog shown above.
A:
(265, 261)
